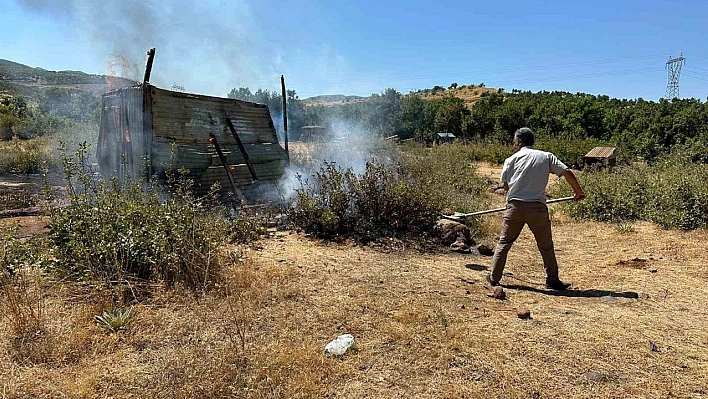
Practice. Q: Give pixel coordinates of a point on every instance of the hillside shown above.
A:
(332, 99)
(469, 94)
(13, 74)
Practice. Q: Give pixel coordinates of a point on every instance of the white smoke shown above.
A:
(350, 147)
(205, 47)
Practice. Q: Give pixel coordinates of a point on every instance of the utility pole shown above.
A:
(673, 66)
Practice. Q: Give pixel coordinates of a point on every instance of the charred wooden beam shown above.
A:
(285, 116)
(148, 65)
(227, 168)
(242, 149)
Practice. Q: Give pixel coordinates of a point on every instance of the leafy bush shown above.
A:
(671, 193)
(570, 152)
(25, 156)
(108, 231)
(447, 173)
(383, 201)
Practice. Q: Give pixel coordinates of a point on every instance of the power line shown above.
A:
(691, 70)
(640, 71)
(483, 71)
(697, 77)
(698, 68)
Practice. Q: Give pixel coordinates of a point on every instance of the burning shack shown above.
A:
(146, 131)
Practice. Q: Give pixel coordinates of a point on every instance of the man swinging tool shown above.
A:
(525, 176)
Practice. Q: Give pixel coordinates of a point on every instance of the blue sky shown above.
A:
(618, 48)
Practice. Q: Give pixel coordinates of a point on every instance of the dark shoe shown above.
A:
(557, 285)
(491, 282)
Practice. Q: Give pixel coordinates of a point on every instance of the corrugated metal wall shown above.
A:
(121, 147)
(181, 126)
(175, 132)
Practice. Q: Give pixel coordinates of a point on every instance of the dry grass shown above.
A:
(424, 325)
(468, 94)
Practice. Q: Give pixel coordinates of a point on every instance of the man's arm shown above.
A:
(573, 181)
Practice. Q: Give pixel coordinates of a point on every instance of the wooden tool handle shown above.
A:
(464, 215)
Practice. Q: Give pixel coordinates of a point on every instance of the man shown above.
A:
(525, 176)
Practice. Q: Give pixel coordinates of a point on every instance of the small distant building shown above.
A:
(314, 134)
(444, 138)
(605, 155)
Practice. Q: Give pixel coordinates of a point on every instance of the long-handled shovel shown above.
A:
(460, 215)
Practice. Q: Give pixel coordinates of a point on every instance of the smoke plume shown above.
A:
(207, 48)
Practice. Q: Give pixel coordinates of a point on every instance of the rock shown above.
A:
(523, 314)
(608, 298)
(653, 347)
(460, 246)
(449, 230)
(498, 293)
(485, 250)
(594, 376)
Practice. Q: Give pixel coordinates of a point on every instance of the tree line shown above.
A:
(642, 128)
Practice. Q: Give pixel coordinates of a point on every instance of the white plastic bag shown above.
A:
(339, 345)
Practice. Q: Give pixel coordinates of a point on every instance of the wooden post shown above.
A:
(148, 65)
(285, 116)
(242, 149)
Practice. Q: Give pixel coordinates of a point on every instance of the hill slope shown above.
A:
(13, 74)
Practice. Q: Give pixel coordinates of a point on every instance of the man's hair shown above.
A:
(525, 135)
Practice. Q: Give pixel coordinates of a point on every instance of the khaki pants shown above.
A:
(517, 214)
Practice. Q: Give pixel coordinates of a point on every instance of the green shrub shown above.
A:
(25, 156)
(672, 193)
(114, 320)
(570, 152)
(382, 202)
(110, 231)
(447, 173)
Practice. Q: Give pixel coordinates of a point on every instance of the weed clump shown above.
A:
(382, 202)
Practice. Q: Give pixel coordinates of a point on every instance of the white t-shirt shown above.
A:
(527, 172)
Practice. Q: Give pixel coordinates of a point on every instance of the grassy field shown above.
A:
(424, 324)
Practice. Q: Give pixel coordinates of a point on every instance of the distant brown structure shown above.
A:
(314, 134)
(605, 155)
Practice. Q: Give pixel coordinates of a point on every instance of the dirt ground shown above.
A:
(633, 326)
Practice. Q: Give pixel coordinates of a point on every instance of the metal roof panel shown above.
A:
(602, 152)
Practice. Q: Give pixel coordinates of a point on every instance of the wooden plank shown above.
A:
(271, 172)
(187, 118)
(241, 149)
(163, 151)
(226, 167)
